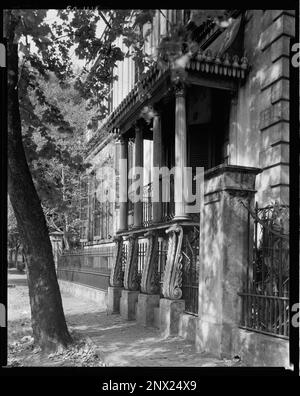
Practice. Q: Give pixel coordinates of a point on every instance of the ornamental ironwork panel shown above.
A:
(265, 297)
(190, 270)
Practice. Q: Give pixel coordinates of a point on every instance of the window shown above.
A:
(102, 213)
(83, 191)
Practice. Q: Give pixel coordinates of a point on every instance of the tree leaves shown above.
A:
(56, 103)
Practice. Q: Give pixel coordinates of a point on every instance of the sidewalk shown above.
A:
(120, 343)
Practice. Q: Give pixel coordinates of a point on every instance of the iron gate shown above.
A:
(265, 298)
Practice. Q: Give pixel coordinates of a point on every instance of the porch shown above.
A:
(228, 273)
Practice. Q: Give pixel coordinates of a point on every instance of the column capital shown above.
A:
(131, 139)
(122, 139)
(179, 88)
(115, 133)
(139, 125)
(157, 110)
(233, 98)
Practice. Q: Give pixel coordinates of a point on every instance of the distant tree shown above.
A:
(55, 156)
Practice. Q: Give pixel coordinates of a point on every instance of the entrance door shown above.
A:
(200, 149)
(200, 146)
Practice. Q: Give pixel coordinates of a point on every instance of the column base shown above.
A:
(128, 302)
(121, 230)
(208, 337)
(215, 338)
(181, 218)
(136, 227)
(145, 308)
(169, 315)
(113, 299)
(187, 327)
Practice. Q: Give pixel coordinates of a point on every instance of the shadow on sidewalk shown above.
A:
(123, 343)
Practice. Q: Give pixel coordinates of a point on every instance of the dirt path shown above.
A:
(120, 343)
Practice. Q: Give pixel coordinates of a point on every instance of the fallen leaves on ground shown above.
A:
(83, 353)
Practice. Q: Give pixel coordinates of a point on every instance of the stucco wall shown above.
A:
(257, 349)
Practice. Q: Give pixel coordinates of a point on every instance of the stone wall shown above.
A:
(90, 293)
(259, 122)
(260, 350)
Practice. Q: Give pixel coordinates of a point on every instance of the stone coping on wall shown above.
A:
(82, 291)
(230, 177)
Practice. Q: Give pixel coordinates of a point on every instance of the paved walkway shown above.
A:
(120, 343)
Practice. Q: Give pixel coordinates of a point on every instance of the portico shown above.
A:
(173, 125)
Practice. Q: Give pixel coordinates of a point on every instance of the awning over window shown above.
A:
(231, 40)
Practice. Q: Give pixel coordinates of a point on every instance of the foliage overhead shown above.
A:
(56, 101)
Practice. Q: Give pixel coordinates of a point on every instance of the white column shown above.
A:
(157, 162)
(180, 153)
(139, 160)
(123, 225)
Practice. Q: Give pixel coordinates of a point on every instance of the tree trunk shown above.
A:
(16, 255)
(10, 257)
(47, 316)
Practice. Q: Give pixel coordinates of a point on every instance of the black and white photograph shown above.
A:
(150, 181)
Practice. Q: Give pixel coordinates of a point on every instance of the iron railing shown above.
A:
(168, 208)
(190, 270)
(265, 297)
(142, 251)
(88, 266)
(124, 255)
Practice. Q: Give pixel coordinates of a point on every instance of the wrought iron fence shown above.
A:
(142, 251)
(265, 298)
(190, 270)
(88, 266)
(168, 207)
(124, 255)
